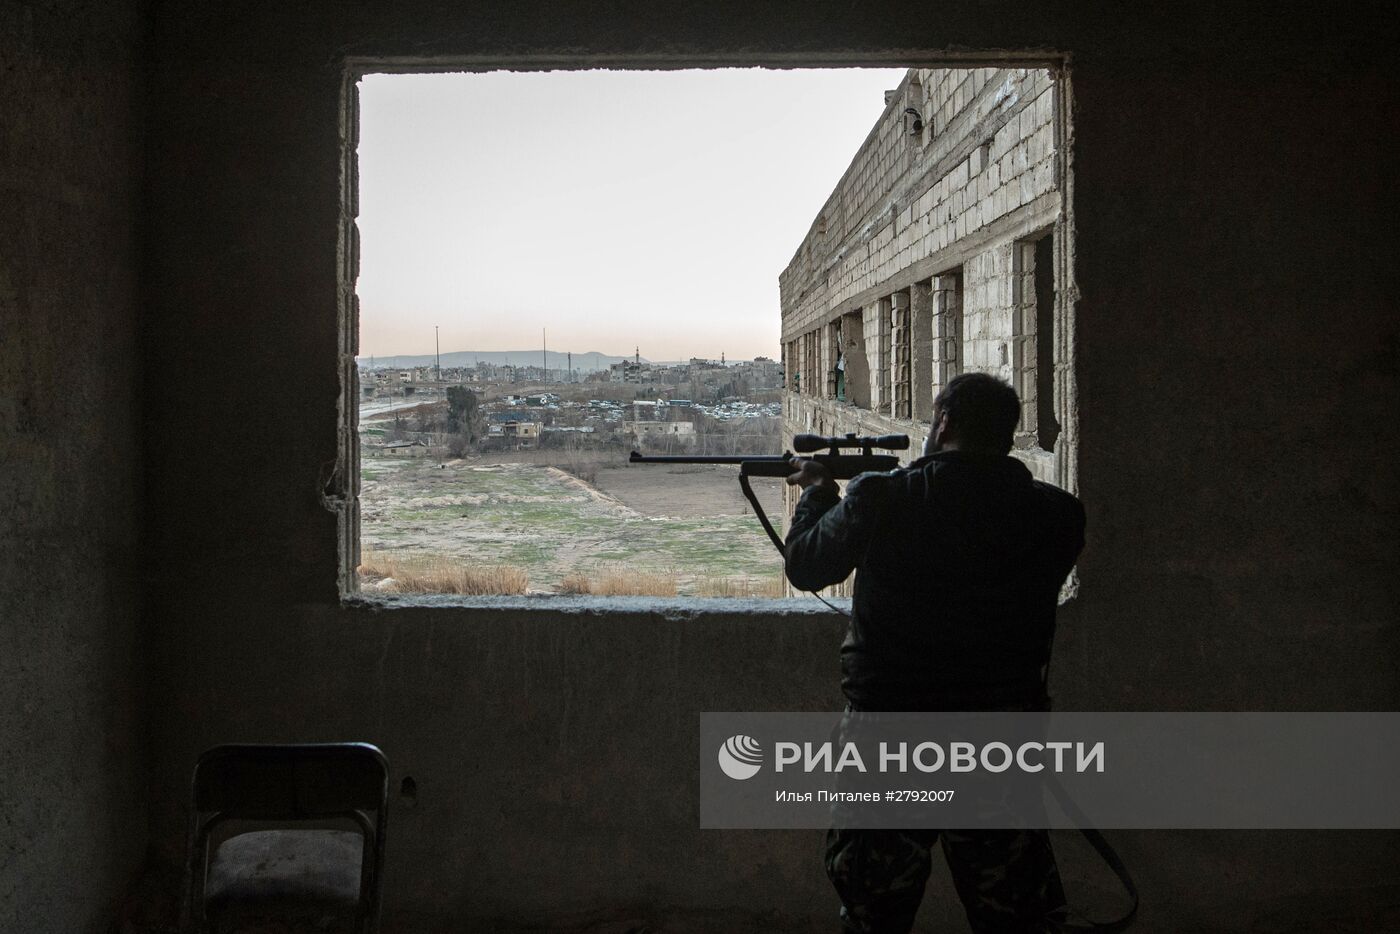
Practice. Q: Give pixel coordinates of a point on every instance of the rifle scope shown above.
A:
(806, 444)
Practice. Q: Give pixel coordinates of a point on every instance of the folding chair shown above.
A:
(275, 832)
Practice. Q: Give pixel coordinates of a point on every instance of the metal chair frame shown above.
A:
(260, 765)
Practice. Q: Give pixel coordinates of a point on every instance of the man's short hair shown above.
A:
(982, 410)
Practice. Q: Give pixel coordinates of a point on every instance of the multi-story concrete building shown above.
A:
(941, 250)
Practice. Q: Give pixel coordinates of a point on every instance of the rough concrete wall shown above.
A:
(1286, 476)
(1233, 562)
(72, 783)
(553, 750)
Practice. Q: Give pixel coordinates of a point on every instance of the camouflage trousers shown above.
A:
(1007, 879)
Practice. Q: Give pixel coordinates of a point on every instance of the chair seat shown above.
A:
(262, 880)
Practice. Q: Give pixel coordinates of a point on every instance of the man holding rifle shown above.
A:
(961, 557)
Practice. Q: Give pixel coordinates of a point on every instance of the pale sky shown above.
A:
(613, 208)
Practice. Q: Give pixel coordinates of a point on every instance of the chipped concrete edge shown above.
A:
(669, 608)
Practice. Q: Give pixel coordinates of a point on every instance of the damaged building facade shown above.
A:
(940, 252)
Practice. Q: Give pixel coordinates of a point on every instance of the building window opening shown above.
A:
(1047, 426)
(838, 363)
(948, 328)
(856, 371)
(901, 364)
(886, 354)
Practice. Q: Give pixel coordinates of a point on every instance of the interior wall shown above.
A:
(73, 783)
(1235, 351)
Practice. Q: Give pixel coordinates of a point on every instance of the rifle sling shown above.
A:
(758, 509)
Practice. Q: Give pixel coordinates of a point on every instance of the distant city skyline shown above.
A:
(557, 359)
(613, 209)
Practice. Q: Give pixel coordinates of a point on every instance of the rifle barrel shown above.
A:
(840, 466)
(637, 458)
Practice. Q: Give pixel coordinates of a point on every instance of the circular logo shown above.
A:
(741, 757)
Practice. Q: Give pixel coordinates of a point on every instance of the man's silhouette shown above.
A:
(961, 557)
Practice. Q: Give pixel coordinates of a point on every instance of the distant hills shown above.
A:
(556, 360)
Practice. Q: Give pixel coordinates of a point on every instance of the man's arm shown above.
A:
(829, 535)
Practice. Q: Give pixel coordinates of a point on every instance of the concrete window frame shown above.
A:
(343, 488)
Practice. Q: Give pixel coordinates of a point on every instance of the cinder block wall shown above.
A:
(72, 745)
(982, 173)
(932, 198)
(1234, 454)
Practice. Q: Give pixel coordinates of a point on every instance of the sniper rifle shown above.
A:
(840, 466)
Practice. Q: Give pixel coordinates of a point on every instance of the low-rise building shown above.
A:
(645, 428)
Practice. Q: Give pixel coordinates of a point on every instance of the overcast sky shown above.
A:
(616, 209)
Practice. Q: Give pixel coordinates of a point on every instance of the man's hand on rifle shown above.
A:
(811, 473)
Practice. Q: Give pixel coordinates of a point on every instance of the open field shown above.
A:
(689, 525)
(690, 490)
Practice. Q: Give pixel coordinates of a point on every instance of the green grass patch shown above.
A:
(533, 519)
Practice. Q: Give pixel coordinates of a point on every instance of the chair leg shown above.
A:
(369, 873)
(196, 867)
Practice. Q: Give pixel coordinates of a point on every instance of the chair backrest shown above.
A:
(289, 783)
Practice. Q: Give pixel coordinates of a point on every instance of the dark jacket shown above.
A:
(961, 558)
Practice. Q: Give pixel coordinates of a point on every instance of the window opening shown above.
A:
(886, 356)
(1047, 426)
(924, 261)
(901, 365)
(948, 316)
